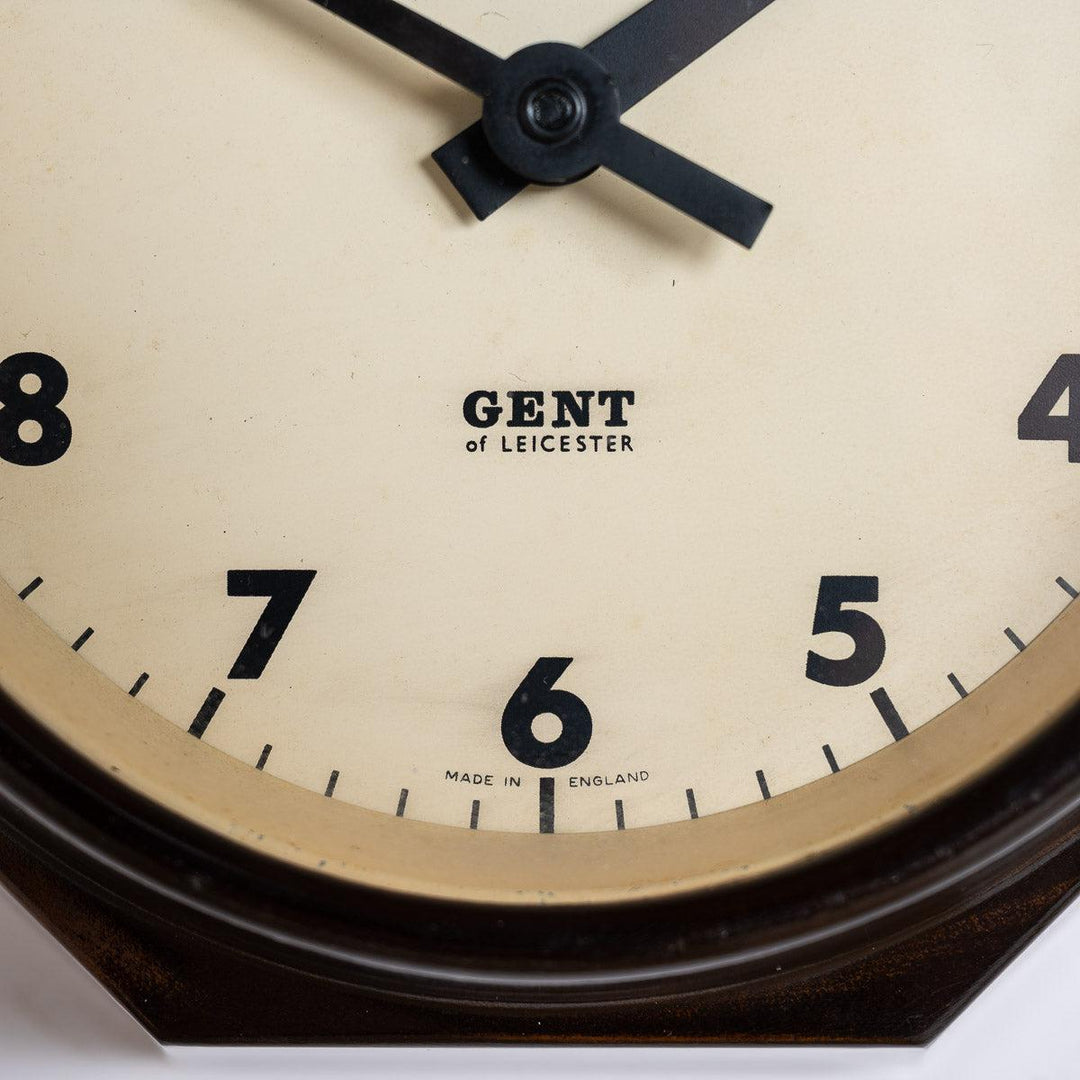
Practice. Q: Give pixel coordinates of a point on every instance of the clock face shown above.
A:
(361, 530)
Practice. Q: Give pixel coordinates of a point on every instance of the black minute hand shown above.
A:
(654, 44)
(641, 53)
(433, 45)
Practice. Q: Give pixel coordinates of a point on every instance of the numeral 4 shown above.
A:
(1036, 423)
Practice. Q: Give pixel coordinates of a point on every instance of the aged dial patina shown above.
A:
(591, 517)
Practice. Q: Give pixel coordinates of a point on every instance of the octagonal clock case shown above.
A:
(539, 524)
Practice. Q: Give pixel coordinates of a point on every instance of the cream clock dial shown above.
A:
(588, 518)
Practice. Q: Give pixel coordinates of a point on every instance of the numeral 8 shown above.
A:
(18, 405)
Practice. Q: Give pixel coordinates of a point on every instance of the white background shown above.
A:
(56, 1021)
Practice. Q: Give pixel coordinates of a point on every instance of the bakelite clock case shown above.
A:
(253, 348)
(207, 942)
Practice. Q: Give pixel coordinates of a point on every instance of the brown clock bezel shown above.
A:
(111, 842)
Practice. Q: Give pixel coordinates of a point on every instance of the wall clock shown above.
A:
(506, 539)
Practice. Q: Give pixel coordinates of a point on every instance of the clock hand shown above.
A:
(553, 115)
(662, 38)
(641, 53)
(688, 187)
(459, 59)
(558, 85)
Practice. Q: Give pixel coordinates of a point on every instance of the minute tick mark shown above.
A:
(32, 588)
(764, 785)
(82, 639)
(957, 685)
(547, 804)
(209, 707)
(897, 728)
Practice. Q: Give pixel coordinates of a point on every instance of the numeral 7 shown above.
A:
(286, 590)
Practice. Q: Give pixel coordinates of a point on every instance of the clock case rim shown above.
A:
(127, 740)
(112, 842)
